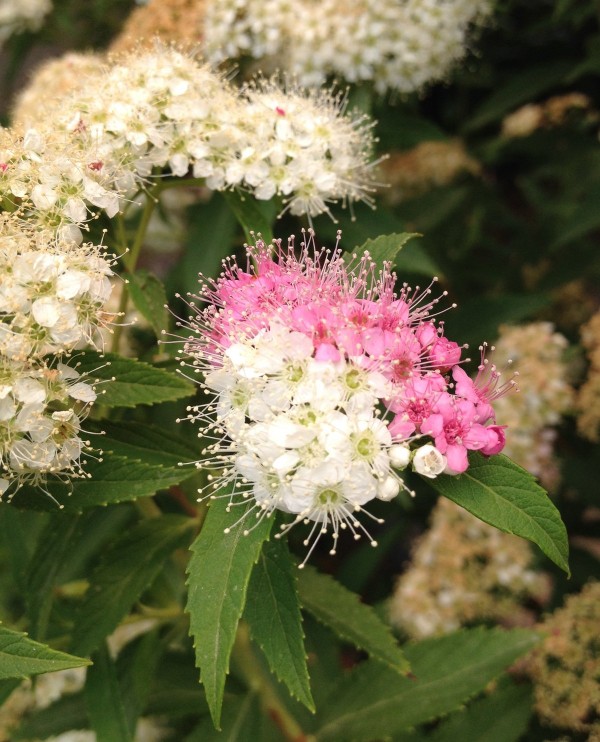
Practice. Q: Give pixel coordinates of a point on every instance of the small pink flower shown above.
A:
(444, 354)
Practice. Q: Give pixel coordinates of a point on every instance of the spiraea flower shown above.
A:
(52, 292)
(57, 180)
(396, 46)
(50, 83)
(41, 410)
(326, 383)
(162, 112)
(565, 667)
(463, 571)
(588, 398)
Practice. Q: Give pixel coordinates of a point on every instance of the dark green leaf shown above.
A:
(65, 714)
(274, 618)
(254, 216)
(128, 383)
(111, 479)
(103, 700)
(501, 493)
(126, 569)
(20, 656)
(149, 296)
(240, 722)
(376, 702)
(136, 670)
(219, 572)
(351, 620)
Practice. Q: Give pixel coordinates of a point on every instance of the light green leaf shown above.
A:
(274, 618)
(353, 621)
(126, 569)
(253, 216)
(20, 656)
(501, 493)
(391, 248)
(219, 572)
(112, 479)
(103, 700)
(149, 296)
(128, 383)
(375, 702)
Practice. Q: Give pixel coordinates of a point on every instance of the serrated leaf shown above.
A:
(219, 573)
(147, 444)
(353, 621)
(128, 383)
(113, 479)
(501, 716)
(103, 700)
(126, 569)
(253, 215)
(375, 702)
(20, 656)
(149, 296)
(274, 619)
(405, 256)
(503, 494)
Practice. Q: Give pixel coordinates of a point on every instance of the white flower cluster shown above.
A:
(56, 180)
(399, 46)
(40, 409)
(307, 435)
(161, 111)
(51, 298)
(20, 16)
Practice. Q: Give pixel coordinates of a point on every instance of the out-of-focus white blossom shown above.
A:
(399, 46)
(21, 15)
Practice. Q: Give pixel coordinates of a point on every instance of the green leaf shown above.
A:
(501, 493)
(241, 722)
(149, 296)
(111, 479)
(407, 258)
(219, 573)
(253, 216)
(126, 569)
(129, 383)
(136, 670)
(147, 444)
(65, 714)
(20, 656)
(351, 620)
(376, 702)
(274, 618)
(103, 700)
(501, 716)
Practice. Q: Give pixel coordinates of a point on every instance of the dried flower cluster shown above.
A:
(161, 112)
(396, 46)
(588, 399)
(428, 165)
(565, 668)
(464, 571)
(547, 115)
(537, 353)
(326, 384)
(24, 15)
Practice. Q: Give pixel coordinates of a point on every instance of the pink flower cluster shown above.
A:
(351, 312)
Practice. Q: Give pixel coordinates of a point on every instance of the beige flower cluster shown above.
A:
(565, 668)
(588, 398)
(464, 571)
(24, 15)
(537, 353)
(428, 165)
(546, 115)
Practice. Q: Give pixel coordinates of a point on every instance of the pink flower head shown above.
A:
(444, 354)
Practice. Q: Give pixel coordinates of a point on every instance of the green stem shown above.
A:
(259, 682)
(131, 258)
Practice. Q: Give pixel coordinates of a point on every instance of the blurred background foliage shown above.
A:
(498, 169)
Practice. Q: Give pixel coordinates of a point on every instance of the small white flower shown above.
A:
(428, 461)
